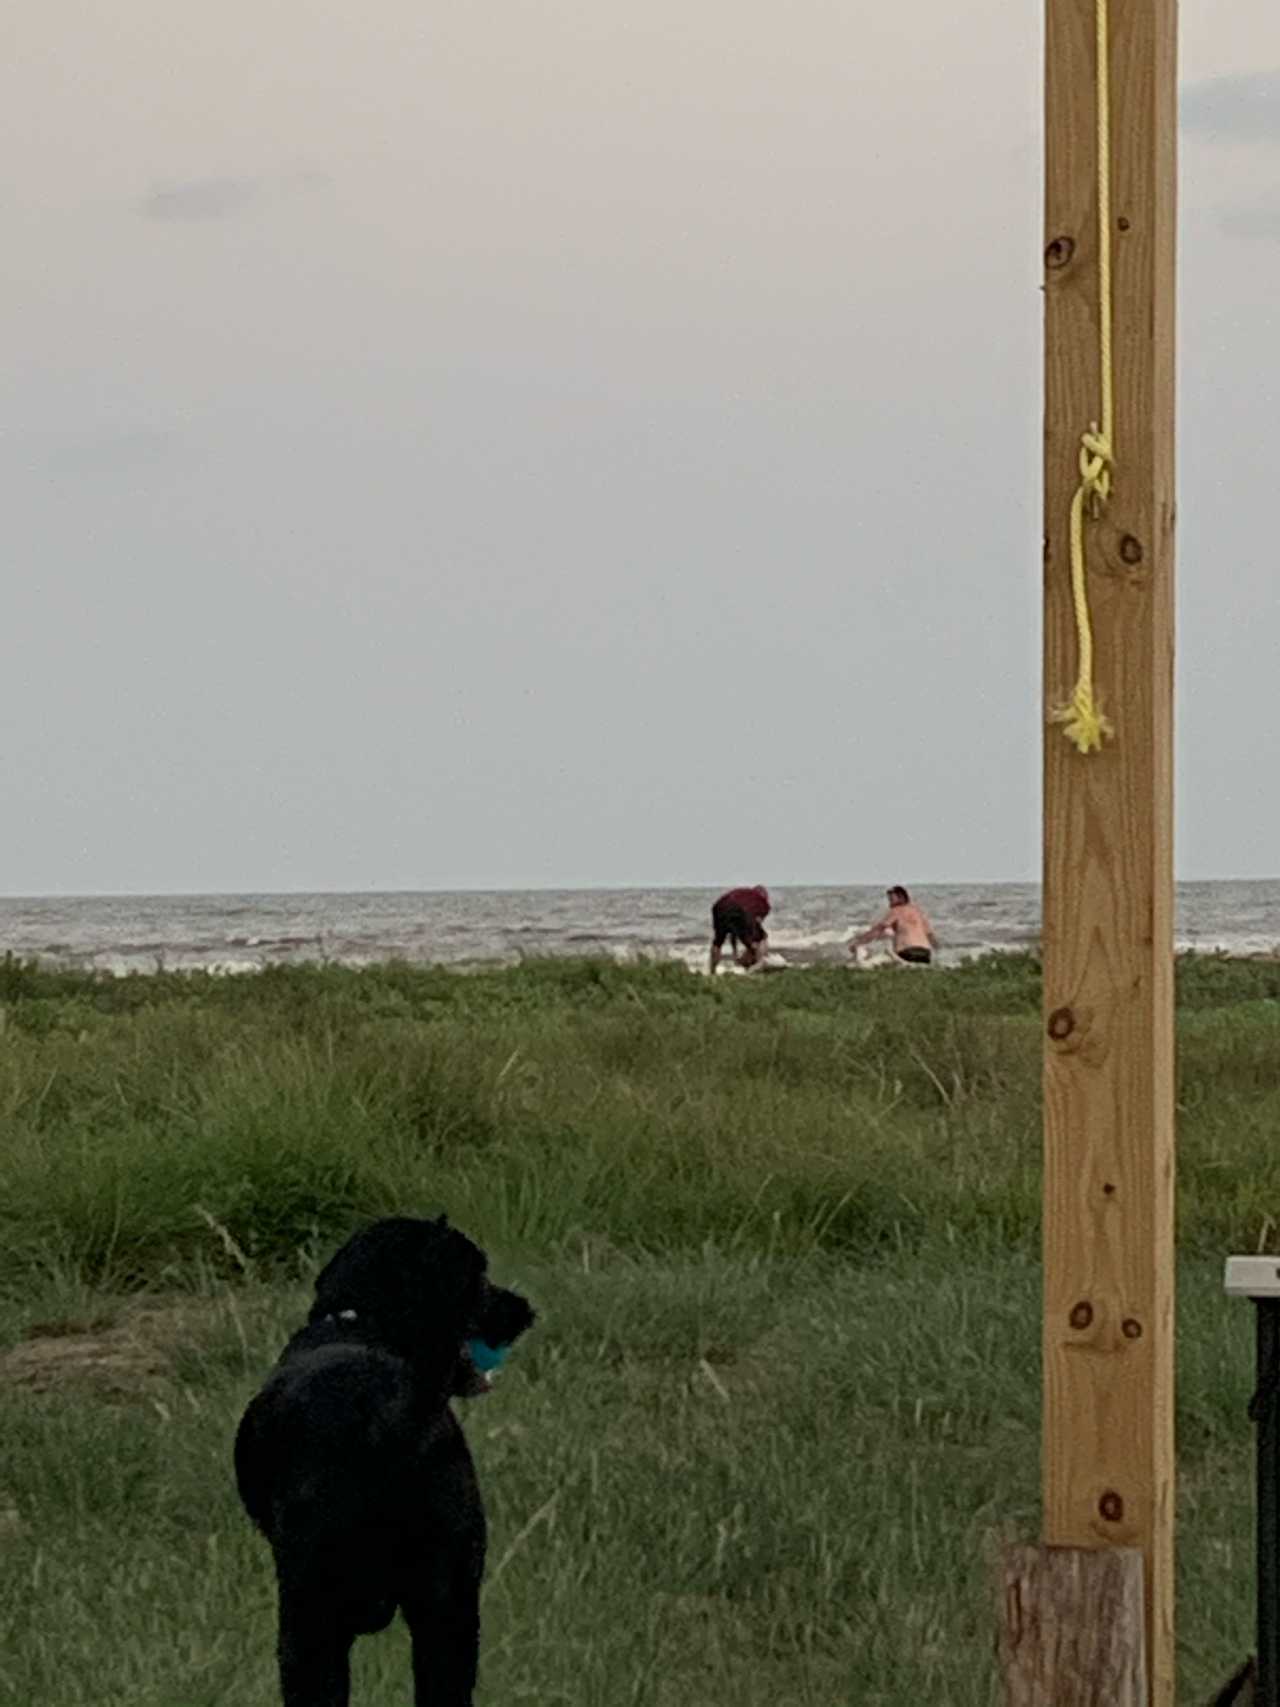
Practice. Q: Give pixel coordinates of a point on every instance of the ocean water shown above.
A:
(233, 933)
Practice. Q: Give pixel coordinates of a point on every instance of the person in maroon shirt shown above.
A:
(737, 915)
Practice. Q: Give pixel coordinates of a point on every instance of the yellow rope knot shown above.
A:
(1081, 717)
(1083, 720)
(1096, 463)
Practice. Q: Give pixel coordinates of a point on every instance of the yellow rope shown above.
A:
(1082, 716)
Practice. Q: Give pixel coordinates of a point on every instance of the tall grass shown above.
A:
(151, 1121)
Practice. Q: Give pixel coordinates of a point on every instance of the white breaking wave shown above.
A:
(800, 939)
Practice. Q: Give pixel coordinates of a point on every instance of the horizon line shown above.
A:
(182, 894)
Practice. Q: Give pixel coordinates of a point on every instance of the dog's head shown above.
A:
(421, 1289)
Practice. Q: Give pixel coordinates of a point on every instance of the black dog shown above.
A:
(353, 1466)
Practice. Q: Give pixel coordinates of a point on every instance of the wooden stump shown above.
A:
(1072, 1632)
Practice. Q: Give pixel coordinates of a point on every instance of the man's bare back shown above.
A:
(907, 924)
(909, 927)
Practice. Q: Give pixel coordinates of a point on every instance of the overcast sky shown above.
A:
(562, 443)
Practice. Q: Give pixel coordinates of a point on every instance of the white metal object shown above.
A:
(1252, 1277)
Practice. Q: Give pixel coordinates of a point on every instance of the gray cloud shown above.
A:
(1240, 108)
(220, 198)
(201, 198)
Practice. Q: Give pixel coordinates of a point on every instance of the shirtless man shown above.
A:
(913, 938)
(738, 917)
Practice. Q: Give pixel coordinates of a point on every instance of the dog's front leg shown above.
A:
(445, 1625)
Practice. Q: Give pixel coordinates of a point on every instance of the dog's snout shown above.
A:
(503, 1316)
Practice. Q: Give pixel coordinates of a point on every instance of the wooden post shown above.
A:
(1108, 869)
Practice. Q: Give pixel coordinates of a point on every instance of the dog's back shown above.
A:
(351, 1477)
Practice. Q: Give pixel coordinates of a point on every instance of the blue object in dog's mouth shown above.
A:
(487, 1358)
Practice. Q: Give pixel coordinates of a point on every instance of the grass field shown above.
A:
(783, 1398)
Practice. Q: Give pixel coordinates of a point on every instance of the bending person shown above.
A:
(737, 916)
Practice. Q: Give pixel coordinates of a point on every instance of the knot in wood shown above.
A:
(1062, 1022)
(1081, 1314)
(1111, 1506)
(1059, 252)
(1131, 1328)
